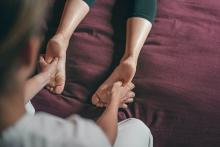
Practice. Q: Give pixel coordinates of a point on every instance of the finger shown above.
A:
(42, 61)
(55, 61)
(105, 105)
(130, 86)
(48, 58)
(130, 94)
(52, 83)
(51, 89)
(59, 89)
(118, 83)
(98, 104)
(95, 99)
(129, 100)
(60, 86)
(102, 105)
(47, 87)
(124, 106)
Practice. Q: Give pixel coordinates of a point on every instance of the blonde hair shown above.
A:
(29, 18)
(21, 19)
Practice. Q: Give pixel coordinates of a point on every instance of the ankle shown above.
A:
(129, 60)
(58, 44)
(60, 40)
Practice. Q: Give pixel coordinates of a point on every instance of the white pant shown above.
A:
(133, 133)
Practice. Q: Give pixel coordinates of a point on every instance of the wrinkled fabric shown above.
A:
(44, 130)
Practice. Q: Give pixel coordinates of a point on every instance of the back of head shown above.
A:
(19, 20)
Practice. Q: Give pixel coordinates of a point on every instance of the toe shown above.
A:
(98, 104)
(59, 89)
(95, 100)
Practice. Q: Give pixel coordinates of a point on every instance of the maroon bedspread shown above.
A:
(178, 75)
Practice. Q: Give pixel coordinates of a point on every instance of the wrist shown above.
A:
(60, 40)
(61, 35)
(45, 76)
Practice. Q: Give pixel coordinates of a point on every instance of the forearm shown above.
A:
(73, 13)
(34, 85)
(108, 121)
(137, 31)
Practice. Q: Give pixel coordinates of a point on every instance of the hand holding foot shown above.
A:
(118, 94)
(48, 69)
(56, 48)
(124, 72)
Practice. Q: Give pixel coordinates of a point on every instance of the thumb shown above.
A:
(118, 83)
(42, 61)
(48, 58)
(54, 61)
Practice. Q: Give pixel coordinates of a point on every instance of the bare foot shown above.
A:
(56, 47)
(124, 72)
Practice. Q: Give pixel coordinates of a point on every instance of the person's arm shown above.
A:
(139, 25)
(39, 81)
(35, 84)
(108, 122)
(109, 119)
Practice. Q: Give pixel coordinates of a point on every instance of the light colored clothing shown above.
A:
(45, 130)
(133, 133)
(30, 108)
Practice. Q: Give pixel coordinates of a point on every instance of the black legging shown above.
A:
(140, 8)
